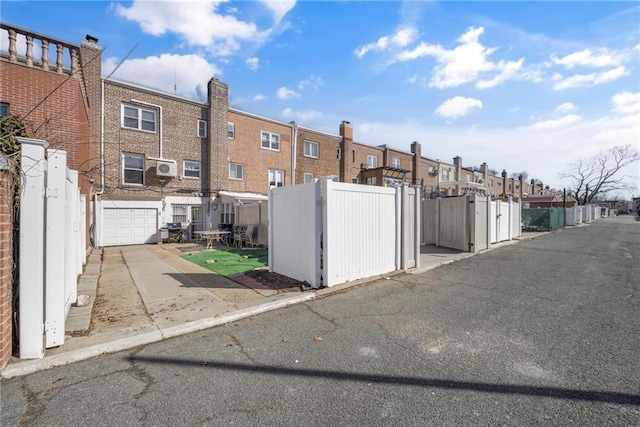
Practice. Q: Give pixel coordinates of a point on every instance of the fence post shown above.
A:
(270, 240)
(327, 206)
(417, 226)
(55, 295)
(31, 255)
(489, 222)
(438, 221)
(399, 228)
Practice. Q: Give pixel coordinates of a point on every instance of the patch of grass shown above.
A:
(230, 261)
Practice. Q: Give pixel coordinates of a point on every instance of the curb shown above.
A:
(31, 366)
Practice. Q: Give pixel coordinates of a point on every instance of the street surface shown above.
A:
(542, 332)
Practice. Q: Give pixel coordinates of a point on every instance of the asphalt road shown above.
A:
(542, 332)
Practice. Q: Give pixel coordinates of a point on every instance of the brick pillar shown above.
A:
(91, 74)
(218, 171)
(416, 173)
(6, 266)
(346, 161)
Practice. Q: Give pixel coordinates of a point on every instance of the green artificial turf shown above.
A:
(230, 261)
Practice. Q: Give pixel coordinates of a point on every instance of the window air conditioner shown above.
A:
(166, 168)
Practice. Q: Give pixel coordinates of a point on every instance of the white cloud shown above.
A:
(199, 23)
(259, 97)
(253, 63)
(401, 38)
(582, 80)
(286, 93)
(162, 72)
(279, 8)
(566, 107)
(464, 63)
(626, 102)
(303, 116)
(587, 58)
(313, 81)
(457, 107)
(560, 123)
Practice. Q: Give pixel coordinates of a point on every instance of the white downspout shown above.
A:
(294, 143)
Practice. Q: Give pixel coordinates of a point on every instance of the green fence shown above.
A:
(542, 219)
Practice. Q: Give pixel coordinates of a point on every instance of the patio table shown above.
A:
(213, 236)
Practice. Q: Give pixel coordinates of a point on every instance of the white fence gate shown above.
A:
(469, 223)
(327, 233)
(52, 246)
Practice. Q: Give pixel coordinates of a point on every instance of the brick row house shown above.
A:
(148, 158)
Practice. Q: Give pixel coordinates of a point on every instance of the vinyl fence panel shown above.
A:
(294, 232)
(453, 213)
(429, 223)
(359, 231)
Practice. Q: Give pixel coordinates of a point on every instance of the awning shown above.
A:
(232, 197)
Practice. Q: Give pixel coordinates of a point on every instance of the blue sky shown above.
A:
(519, 85)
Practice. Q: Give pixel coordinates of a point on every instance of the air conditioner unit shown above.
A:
(166, 168)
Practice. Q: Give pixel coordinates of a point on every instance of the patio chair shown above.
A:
(247, 236)
(238, 231)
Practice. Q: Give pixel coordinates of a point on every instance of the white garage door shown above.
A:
(129, 226)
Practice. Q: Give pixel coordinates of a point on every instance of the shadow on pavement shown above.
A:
(554, 392)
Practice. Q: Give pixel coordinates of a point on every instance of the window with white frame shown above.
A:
(311, 149)
(395, 162)
(134, 117)
(308, 177)
(179, 213)
(276, 178)
(372, 161)
(270, 141)
(236, 171)
(227, 213)
(445, 174)
(202, 129)
(191, 169)
(231, 130)
(133, 168)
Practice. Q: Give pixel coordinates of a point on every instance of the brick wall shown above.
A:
(218, 149)
(246, 149)
(6, 265)
(327, 162)
(176, 129)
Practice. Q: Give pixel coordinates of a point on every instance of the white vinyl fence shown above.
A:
(469, 223)
(327, 233)
(573, 215)
(52, 246)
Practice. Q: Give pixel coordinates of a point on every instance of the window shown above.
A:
(236, 171)
(231, 130)
(270, 141)
(139, 118)
(491, 182)
(395, 162)
(227, 213)
(445, 174)
(191, 169)
(133, 172)
(354, 180)
(372, 161)
(311, 149)
(308, 177)
(202, 129)
(371, 180)
(4, 109)
(276, 178)
(179, 213)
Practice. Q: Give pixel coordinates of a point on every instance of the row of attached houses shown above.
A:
(148, 158)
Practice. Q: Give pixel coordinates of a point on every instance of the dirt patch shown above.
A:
(118, 304)
(275, 281)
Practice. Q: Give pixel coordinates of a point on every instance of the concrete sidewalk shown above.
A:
(177, 304)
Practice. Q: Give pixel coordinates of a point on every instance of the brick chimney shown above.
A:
(504, 182)
(216, 175)
(416, 172)
(346, 146)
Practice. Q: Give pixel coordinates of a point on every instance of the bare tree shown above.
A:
(593, 177)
